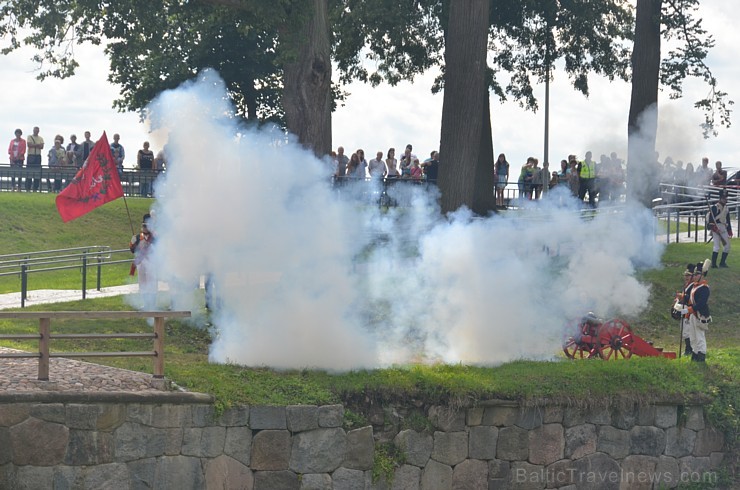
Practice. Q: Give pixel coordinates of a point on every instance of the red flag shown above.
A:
(95, 184)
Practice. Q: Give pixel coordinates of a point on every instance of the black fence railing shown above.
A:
(54, 179)
(93, 257)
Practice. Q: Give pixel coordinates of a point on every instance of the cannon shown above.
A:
(608, 340)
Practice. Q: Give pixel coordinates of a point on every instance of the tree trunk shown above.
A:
(465, 110)
(307, 81)
(642, 171)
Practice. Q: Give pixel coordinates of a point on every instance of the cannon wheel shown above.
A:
(578, 350)
(615, 340)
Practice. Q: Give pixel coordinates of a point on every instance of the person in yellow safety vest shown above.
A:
(587, 177)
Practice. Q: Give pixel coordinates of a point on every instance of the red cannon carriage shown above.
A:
(612, 339)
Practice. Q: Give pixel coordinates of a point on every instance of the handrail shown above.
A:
(44, 261)
(45, 336)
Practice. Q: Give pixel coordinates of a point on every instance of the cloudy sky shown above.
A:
(378, 118)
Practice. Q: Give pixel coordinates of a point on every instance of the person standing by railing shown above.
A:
(35, 144)
(145, 162)
(17, 154)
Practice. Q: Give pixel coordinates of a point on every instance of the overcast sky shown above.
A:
(383, 117)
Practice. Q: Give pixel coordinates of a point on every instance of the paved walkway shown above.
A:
(19, 375)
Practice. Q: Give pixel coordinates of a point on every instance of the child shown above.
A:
(416, 170)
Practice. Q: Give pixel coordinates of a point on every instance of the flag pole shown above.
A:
(131, 223)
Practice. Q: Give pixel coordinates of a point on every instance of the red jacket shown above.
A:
(21, 149)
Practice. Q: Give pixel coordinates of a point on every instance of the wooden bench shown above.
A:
(45, 336)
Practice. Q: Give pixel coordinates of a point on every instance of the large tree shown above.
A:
(672, 20)
(262, 45)
(403, 38)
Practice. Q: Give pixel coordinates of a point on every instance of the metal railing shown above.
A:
(25, 264)
(689, 206)
(45, 336)
(53, 179)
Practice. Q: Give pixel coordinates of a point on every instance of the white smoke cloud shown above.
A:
(311, 276)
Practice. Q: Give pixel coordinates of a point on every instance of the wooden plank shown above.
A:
(44, 349)
(104, 354)
(101, 336)
(9, 355)
(21, 315)
(20, 336)
(159, 347)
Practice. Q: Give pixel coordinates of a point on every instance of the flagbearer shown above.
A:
(141, 247)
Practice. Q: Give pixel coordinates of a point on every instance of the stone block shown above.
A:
(417, 446)
(450, 448)
(546, 444)
(708, 441)
(474, 416)
(666, 416)
(81, 416)
(407, 477)
(530, 418)
(273, 480)
(142, 473)
(170, 415)
(271, 451)
(360, 449)
(177, 472)
(525, 476)
(695, 470)
(513, 444)
(649, 441)
(331, 416)
(499, 469)
(6, 447)
(614, 442)
(624, 416)
(318, 451)
(346, 479)
(560, 474)
(226, 472)
(316, 481)
(553, 414)
(113, 475)
(679, 442)
(265, 417)
(130, 441)
(666, 472)
(238, 444)
(302, 417)
(471, 474)
(447, 419)
(49, 412)
(140, 413)
(716, 460)
(110, 416)
(638, 472)
(235, 417)
(695, 418)
(580, 441)
(597, 471)
(645, 415)
(38, 443)
(500, 416)
(88, 447)
(202, 416)
(436, 476)
(14, 413)
(599, 416)
(573, 416)
(205, 442)
(482, 442)
(172, 441)
(33, 477)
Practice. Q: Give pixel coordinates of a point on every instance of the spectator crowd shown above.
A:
(30, 153)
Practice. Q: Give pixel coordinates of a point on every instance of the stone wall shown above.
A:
(180, 442)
